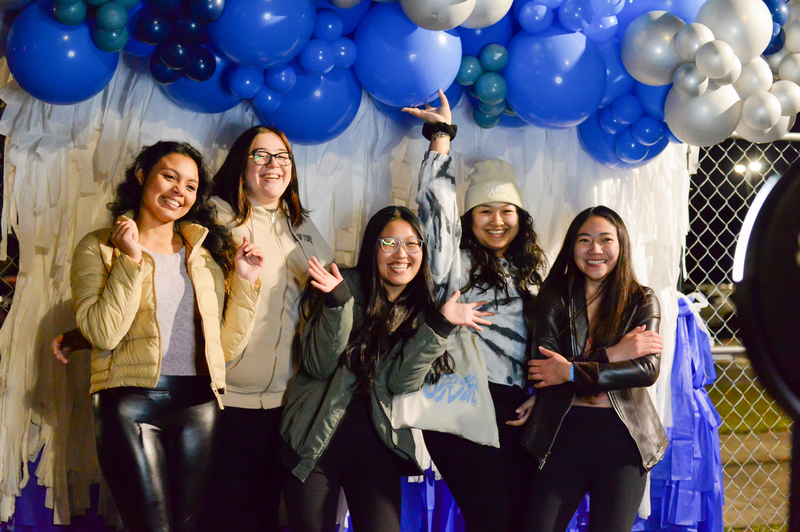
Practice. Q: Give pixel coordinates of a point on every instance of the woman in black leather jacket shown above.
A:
(595, 349)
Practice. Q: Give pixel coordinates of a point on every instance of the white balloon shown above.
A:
(761, 110)
(437, 15)
(789, 68)
(715, 59)
(788, 93)
(775, 59)
(794, 10)
(755, 76)
(689, 81)
(792, 42)
(746, 25)
(487, 12)
(705, 120)
(732, 75)
(648, 48)
(777, 132)
(690, 38)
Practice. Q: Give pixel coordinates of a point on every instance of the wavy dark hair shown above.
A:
(230, 184)
(616, 291)
(385, 322)
(527, 261)
(219, 241)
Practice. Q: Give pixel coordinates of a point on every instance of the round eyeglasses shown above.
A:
(262, 158)
(391, 244)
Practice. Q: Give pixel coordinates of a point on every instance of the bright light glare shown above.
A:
(747, 227)
(755, 166)
(740, 168)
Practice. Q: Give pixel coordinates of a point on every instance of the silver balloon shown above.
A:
(789, 68)
(794, 11)
(776, 132)
(689, 81)
(746, 25)
(437, 15)
(756, 76)
(706, 120)
(715, 59)
(487, 12)
(732, 75)
(775, 59)
(690, 38)
(792, 30)
(648, 48)
(788, 93)
(761, 110)
(345, 4)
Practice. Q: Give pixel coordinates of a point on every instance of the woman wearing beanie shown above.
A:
(489, 253)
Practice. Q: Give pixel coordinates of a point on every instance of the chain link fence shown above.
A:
(755, 433)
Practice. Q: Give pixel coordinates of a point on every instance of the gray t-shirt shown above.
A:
(175, 313)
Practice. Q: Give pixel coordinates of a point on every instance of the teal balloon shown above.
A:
(111, 16)
(494, 57)
(491, 88)
(110, 41)
(469, 71)
(129, 4)
(96, 2)
(64, 3)
(483, 120)
(492, 109)
(70, 14)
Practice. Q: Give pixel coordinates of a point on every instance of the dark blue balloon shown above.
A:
(152, 27)
(319, 108)
(453, 94)
(174, 55)
(627, 109)
(53, 62)
(598, 143)
(210, 96)
(779, 11)
(328, 26)
(628, 149)
(245, 82)
(473, 40)
(110, 41)
(187, 30)
(206, 11)
(777, 41)
(648, 130)
(281, 79)
(350, 16)
(608, 122)
(202, 65)
(263, 34)
(652, 98)
(267, 101)
(317, 57)
(397, 114)
(134, 46)
(161, 72)
(344, 52)
(165, 6)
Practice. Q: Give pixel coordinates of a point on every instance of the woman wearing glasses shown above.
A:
(374, 335)
(257, 196)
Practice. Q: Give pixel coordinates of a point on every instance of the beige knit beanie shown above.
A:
(492, 181)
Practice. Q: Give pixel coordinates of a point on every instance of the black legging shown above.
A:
(154, 448)
(488, 484)
(594, 453)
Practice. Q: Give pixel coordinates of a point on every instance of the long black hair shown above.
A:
(219, 242)
(387, 322)
(616, 292)
(230, 184)
(526, 260)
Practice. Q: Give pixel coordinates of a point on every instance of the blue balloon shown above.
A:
(483, 120)
(350, 16)
(187, 30)
(110, 41)
(494, 57)
(152, 27)
(574, 15)
(473, 40)
(344, 52)
(267, 101)
(598, 143)
(555, 78)
(397, 114)
(263, 34)
(54, 62)
(174, 55)
(601, 29)
(670, 136)
(618, 81)
(608, 122)
(210, 96)
(628, 149)
(469, 71)
(686, 10)
(317, 57)
(162, 6)
(202, 65)
(319, 108)
(400, 63)
(281, 79)
(606, 8)
(162, 73)
(134, 46)
(206, 11)
(71, 14)
(652, 98)
(647, 130)
(777, 41)
(779, 11)
(328, 26)
(491, 88)
(453, 94)
(535, 17)
(245, 82)
(627, 109)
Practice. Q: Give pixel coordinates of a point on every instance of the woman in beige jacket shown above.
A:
(165, 299)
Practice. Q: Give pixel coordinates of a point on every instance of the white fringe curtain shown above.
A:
(63, 162)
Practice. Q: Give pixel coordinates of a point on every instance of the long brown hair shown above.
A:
(230, 184)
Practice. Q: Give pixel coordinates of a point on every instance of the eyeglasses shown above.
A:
(262, 158)
(391, 244)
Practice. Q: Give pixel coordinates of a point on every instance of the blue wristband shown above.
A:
(572, 372)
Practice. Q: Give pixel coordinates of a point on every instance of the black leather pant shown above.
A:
(154, 447)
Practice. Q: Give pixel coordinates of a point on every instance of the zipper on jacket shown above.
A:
(543, 459)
